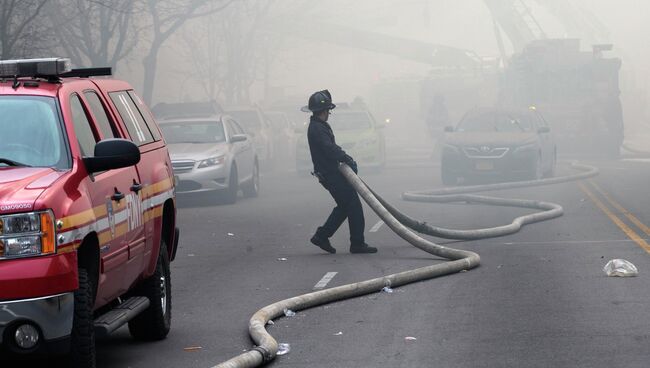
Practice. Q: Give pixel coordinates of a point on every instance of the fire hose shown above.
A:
(460, 260)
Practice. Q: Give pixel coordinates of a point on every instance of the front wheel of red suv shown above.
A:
(82, 353)
(154, 323)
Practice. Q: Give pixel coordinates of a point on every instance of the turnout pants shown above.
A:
(348, 206)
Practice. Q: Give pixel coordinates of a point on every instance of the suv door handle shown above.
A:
(136, 187)
(118, 196)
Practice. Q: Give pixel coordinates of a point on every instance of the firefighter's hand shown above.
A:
(350, 162)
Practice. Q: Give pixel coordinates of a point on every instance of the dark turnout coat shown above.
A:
(325, 153)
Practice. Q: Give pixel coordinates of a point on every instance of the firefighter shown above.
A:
(326, 156)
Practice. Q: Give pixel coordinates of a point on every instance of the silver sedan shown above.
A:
(212, 155)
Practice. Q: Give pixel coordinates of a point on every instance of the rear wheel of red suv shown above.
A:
(82, 342)
(154, 323)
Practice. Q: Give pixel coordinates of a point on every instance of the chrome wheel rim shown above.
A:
(163, 294)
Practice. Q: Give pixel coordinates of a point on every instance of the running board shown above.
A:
(117, 317)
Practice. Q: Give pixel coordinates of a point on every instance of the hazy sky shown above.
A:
(306, 65)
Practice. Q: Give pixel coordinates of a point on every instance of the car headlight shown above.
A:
(526, 148)
(212, 161)
(27, 235)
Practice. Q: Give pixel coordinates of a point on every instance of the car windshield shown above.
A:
(31, 132)
(193, 132)
(349, 120)
(490, 121)
(248, 118)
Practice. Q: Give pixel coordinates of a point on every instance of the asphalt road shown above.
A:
(539, 299)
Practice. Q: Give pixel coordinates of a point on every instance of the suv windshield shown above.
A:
(194, 132)
(248, 118)
(31, 133)
(349, 120)
(490, 121)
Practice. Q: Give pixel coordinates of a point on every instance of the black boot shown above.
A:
(323, 243)
(362, 248)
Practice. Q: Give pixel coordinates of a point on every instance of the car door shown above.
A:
(108, 191)
(244, 151)
(141, 232)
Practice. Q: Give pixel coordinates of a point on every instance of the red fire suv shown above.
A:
(87, 212)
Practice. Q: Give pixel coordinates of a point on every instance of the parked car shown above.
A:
(212, 154)
(498, 144)
(356, 132)
(87, 212)
(258, 127)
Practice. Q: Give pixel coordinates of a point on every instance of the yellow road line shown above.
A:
(626, 229)
(620, 208)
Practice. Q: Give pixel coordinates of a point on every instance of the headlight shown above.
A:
(27, 235)
(526, 148)
(212, 161)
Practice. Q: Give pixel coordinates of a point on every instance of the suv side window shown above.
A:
(132, 118)
(146, 114)
(99, 111)
(82, 128)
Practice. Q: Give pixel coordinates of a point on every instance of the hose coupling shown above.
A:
(266, 354)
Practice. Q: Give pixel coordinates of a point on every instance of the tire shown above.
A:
(537, 171)
(252, 188)
(551, 171)
(154, 323)
(230, 194)
(448, 178)
(82, 338)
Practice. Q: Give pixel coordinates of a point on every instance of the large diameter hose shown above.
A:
(458, 194)
(267, 346)
(637, 152)
(400, 223)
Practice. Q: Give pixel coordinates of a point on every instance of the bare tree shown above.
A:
(94, 33)
(18, 27)
(232, 51)
(167, 16)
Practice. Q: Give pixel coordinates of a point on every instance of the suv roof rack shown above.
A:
(87, 72)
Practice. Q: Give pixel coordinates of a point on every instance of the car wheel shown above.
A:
(551, 171)
(82, 352)
(154, 323)
(252, 188)
(537, 171)
(233, 187)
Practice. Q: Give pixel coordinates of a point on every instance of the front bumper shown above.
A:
(51, 315)
(509, 167)
(202, 180)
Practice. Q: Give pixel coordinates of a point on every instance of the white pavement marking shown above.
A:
(325, 280)
(376, 227)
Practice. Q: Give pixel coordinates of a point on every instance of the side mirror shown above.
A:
(544, 130)
(112, 154)
(238, 138)
(449, 129)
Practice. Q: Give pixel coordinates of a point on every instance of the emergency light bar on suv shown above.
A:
(47, 68)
